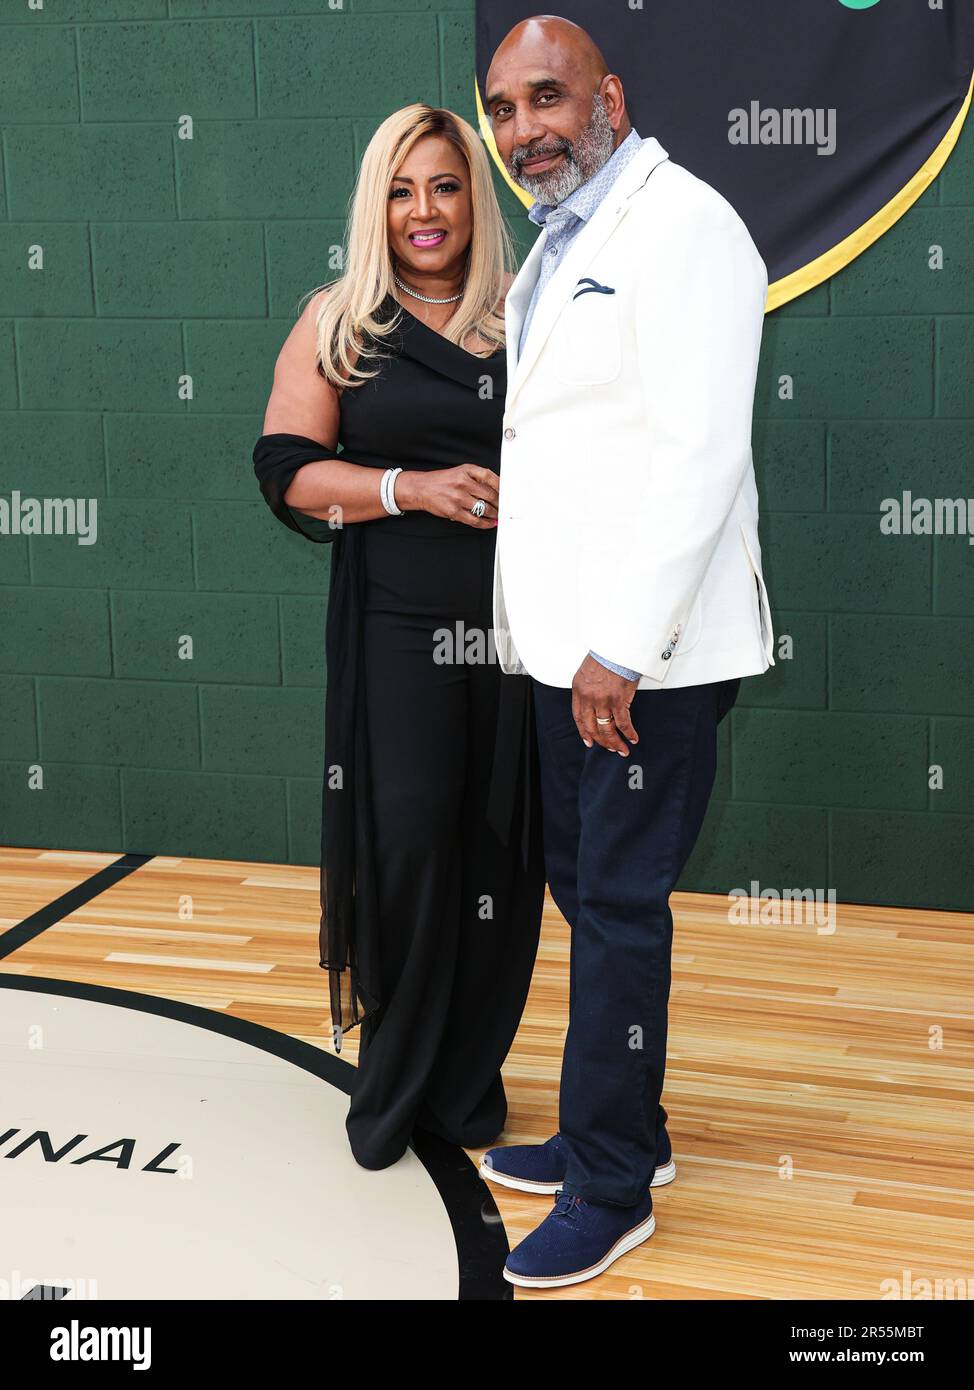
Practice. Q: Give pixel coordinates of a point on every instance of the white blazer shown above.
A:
(628, 514)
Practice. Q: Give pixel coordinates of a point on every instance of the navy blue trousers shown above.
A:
(617, 833)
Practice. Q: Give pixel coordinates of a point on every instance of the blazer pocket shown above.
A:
(585, 340)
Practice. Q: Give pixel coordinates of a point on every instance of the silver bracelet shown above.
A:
(387, 491)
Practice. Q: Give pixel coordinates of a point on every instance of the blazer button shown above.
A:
(666, 655)
(509, 433)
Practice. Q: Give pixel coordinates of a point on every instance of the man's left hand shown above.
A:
(598, 693)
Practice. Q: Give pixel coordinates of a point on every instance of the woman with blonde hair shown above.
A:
(382, 436)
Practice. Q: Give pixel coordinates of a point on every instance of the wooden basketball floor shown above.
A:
(818, 1084)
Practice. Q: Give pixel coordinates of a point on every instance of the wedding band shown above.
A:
(479, 508)
(604, 721)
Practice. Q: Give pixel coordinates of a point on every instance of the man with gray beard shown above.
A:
(627, 584)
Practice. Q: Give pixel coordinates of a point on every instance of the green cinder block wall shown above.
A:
(166, 257)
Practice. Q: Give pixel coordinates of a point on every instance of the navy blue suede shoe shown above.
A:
(577, 1241)
(540, 1168)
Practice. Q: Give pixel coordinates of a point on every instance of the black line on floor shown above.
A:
(68, 902)
(478, 1227)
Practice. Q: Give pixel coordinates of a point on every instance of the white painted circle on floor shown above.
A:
(259, 1199)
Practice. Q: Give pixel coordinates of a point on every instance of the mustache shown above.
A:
(520, 157)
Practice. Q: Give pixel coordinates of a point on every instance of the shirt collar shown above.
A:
(586, 198)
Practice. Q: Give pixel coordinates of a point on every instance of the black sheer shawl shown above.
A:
(346, 948)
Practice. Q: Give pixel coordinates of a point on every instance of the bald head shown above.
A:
(556, 111)
(548, 36)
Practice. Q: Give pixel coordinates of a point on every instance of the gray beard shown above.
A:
(583, 158)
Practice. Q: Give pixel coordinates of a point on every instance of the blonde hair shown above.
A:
(345, 319)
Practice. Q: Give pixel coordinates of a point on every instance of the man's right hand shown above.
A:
(450, 493)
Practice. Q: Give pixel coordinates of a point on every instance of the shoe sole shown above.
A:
(625, 1243)
(663, 1175)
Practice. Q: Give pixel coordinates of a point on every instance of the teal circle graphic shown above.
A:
(858, 4)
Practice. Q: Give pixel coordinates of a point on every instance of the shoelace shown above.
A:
(566, 1204)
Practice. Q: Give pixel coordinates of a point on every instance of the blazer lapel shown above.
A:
(519, 297)
(559, 288)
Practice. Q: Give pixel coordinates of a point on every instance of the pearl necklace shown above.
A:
(425, 297)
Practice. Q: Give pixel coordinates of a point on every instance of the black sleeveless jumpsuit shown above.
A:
(458, 911)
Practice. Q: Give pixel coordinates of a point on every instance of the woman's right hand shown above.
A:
(451, 492)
